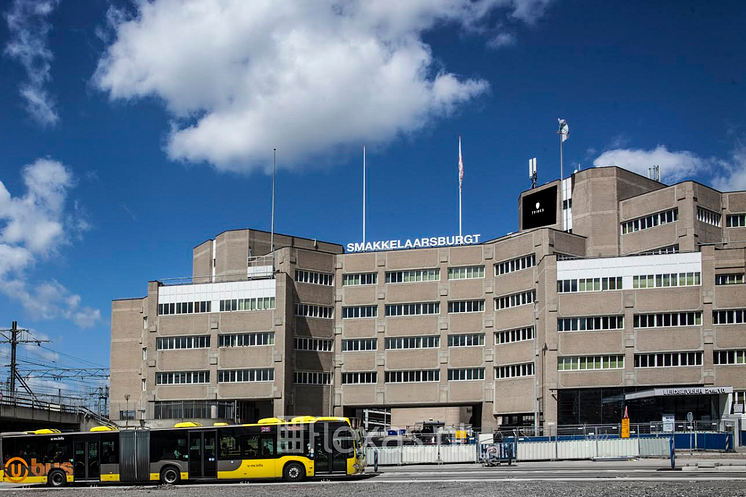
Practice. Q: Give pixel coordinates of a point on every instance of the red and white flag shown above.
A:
(460, 164)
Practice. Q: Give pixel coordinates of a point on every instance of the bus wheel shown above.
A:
(56, 479)
(294, 472)
(170, 476)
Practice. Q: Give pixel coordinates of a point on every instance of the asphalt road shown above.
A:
(635, 478)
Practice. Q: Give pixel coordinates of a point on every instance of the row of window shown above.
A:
(314, 278)
(420, 342)
(416, 376)
(314, 311)
(731, 316)
(466, 306)
(517, 264)
(359, 378)
(666, 280)
(465, 273)
(665, 320)
(246, 375)
(358, 344)
(708, 217)
(515, 300)
(735, 220)
(360, 311)
(514, 371)
(515, 335)
(312, 378)
(669, 249)
(466, 340)
(413, 276)
(590, 362)
(668, 359)
(359, 279)
(465, 374)
(729, 279)
(187, 342)
(589, 284)
(417, 309)
(182, 378)
(591, 323)
(650, 221)
(184, 308)
(722, 357)
(254, 304)
(247, 339)
(314, 344)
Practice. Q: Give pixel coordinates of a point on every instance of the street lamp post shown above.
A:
(127, 412)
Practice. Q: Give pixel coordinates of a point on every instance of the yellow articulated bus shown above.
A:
(300, 448)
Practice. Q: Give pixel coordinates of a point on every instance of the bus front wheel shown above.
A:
(56, 479)
(294, 472)
(170, 476)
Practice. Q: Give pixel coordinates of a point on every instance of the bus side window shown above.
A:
(109, 454)
(268, 445)
(250, 446)
(229, 444)
(56, 452)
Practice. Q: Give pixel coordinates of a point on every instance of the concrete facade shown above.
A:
(488, 343)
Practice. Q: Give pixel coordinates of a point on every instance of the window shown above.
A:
(590, 284)
(729, 279)
(256, 304)
(144, 385)
(466, 306)
(247, 339)
(199, 409)
(184, 308)
(359, 344)
(303, 276)
(177, 343)
(735, 220)
(514, 371)
(708, 217)
(665, 320)
(591, 323)
(514, 335)
(359, 378)
(230, 444)
(465, 273)
(314, 311)
(692, 278)
(413, 309)
(360, 311)
(182, 378)
(668, 359)
(670, 249)
(732, 316)
(418, 376)
(314, 344)
(413, 276)
(312, 378)
(257, 446)
(246, 375)
(168, 445)
(466, 340)
(514, 300)
(465, 374)
(585, 363)
(359, 279)
(651, 221)
(144, 353)
(518, 264)
(127, 414)
(421, 342)
(723, 357)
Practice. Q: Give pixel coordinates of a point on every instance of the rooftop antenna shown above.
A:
(532, 175)
(272, 222)
(654, 173)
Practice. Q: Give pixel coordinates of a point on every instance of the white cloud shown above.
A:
(733, 177)
(241, 78)
(674, 166)
(33, 227)
(502, 40)
(29, 27)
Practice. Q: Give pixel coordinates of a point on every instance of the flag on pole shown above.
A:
(460, 164)
(564, 129)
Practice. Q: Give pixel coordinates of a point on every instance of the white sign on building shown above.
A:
(427, 242)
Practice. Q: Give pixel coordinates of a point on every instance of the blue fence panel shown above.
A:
(743, 438)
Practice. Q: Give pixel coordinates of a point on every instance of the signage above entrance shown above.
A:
(410, 243)
(668, 392)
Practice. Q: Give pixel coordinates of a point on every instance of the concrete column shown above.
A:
(489, 423)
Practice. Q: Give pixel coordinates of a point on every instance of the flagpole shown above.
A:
(562, 175)
(363, 194)
(460, 172)
(272, 228)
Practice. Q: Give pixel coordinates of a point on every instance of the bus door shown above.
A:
(202, 454)
(331, 442)
(86, 459)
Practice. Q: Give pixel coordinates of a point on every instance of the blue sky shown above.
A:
(132, 132)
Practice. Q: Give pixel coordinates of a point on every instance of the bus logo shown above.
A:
(17, 469)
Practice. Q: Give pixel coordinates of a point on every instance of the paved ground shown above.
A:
(706, 477)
